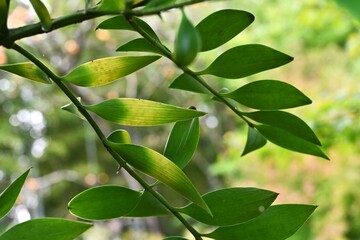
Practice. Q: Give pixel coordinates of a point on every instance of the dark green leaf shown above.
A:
(246, 60)
(148, 206)
(158, 3)
(106, 70)
(175, 238)
(138, 45)
(269, 95)
(221, 26)
(254, 141)
(277, 223)
(42, 13)
(27, 70)
(138, 112)
(232, 206)
(182, 142)
(4, 9)
(287, 122)
(188, 83)
(10, 194)
(112, 5)
(71, 108)
(104, 202)
(119, 136)
(289, 141)
(159, 167)
(45, 229)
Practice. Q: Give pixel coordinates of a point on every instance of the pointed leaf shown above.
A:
(254, 141)
(221, 26)
(137, 112)
(42, 13)
(182, 142)
(246, 60)
(138, 45)
(289, 141)
(27, 70)
(231, 206)
(112, 5)
(106, 70)
(119, 136)
(71, 108)
(159, 167)
(148, 206)
(10, 194)
(269, 95)
(45, 229)
(277, 223)
(188, 83)
(287, 122)
(104, 202)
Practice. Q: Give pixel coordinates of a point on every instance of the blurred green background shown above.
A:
(67, 158)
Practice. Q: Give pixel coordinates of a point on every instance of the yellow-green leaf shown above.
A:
(42, 13)
(119, 136)
(112, 5)
(27, 70)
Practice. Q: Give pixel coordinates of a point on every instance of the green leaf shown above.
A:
(158, 3)
(277, 223)
(112, 5)
(148, 206)
(188, 83)
(10, 194)
(246, 60)
(187, 42)
(119, 136)
(71, 108)
(221, 26)
(138, 45)
(45, 229)
(269, 95)
(254, 141)
(159, 167)
(106, 70)
(104, 202)
(289, 141)
(138, 112)
(286, 121)
(231, 206)
(175, 238)
(352, 6)
(182, 142)
(27, 70)
(42, 13)
(4, 10)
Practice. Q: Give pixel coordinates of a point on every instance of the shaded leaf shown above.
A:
(188, 83)
(277, 223)
(254, 141)
(287, 122)
(27, 70)
(182, 142)
(4, 10)
(138, 45)
(221, 26)
(231, 206)
(42, 13)
(11, 193)
(138, 112)
(246, 60)
(45, 229)
(71, 108)
(159, 167)
(269, 95)
(106, 70)
(104, 202)
(289, 141)
(158, 3)
(119, 136)
(112, 5)
(148, 206)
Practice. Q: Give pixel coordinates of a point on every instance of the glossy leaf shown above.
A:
(187, 42)
(138, 45)
(119, 136)
(104, 202)
(11, 193)
(71, 108)
(277, 223)
(286, 121)
(42, 13)
(112, 5)
(221, 26)
(45, 229)
(182, 142)
(137, 112)
(159, 167)
(269, 95)
(254, 141)
(27, 70)
(246, 60)
(188, 83)
(289, 141)
(148, 206)
(106, 70)
(232, 206)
